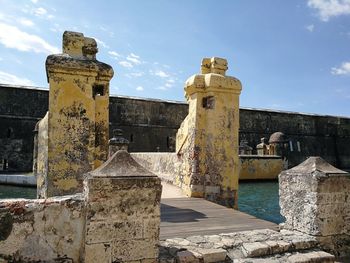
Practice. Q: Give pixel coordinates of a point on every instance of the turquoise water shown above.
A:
(9, 191)
(259, 199)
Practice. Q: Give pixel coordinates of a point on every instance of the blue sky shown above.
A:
(289, 55)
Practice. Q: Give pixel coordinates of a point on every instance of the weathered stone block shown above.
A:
(106, 231)
(210, 255)
(151, 228)
(314, 199)
(128, 250)
(123, 209)
(100, 252)
(43, 229)
(186, 257)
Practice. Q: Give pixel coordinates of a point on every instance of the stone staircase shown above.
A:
(242, 247)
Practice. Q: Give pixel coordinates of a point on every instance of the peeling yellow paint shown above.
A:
(207, 140)
(260, 168)
(78, 117)
(66, 184)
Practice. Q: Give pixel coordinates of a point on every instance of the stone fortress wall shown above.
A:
(150, 125)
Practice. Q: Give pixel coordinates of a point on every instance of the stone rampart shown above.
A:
(169, 166)
(150, 125)
(255, 167)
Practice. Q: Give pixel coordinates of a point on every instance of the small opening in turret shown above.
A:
(98, 90)
(208, 102)
(131, 137)
(168, 142)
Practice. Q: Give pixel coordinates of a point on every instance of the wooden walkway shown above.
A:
(182, 217)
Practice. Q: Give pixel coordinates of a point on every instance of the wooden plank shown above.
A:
(182, 217)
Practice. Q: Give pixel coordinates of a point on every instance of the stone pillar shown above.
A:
(244, 148)
(35, 148)
(207, 140)
(78, 115)
(314, 199)
(123, 212)
(262, 148)
(118, 142)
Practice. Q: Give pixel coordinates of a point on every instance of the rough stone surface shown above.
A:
(46, 230)
(123, 211)
(165, 165)
(116, 219)
(207, 140)
(76, 126)
(168, 166)
(314, 199)
(263, 245)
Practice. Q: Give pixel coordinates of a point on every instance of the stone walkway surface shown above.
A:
(258, 246)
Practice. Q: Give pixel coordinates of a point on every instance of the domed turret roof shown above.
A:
(277, 137)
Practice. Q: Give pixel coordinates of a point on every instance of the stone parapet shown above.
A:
(170, 166)
(165, 165)
(258, 167)
(123, 212)
(314, 200)
(42, 230)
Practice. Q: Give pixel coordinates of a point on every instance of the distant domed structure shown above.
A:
(277, 137)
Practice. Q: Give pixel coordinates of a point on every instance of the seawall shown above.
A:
(150, 125)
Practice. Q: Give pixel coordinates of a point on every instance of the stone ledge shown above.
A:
(263, 245)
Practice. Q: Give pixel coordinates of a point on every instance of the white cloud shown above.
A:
(8, 78)
(137, 74)
(344, 69)
(34, 1)
(42, 12)
(114, 53)
(161, 74)
(101, 43)
(125, 64)
(56, 28)
(310, 28)
(330, 8)
(134, 56)
(26, 22)
(134, 60)
(12, 37)
(140, 88)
